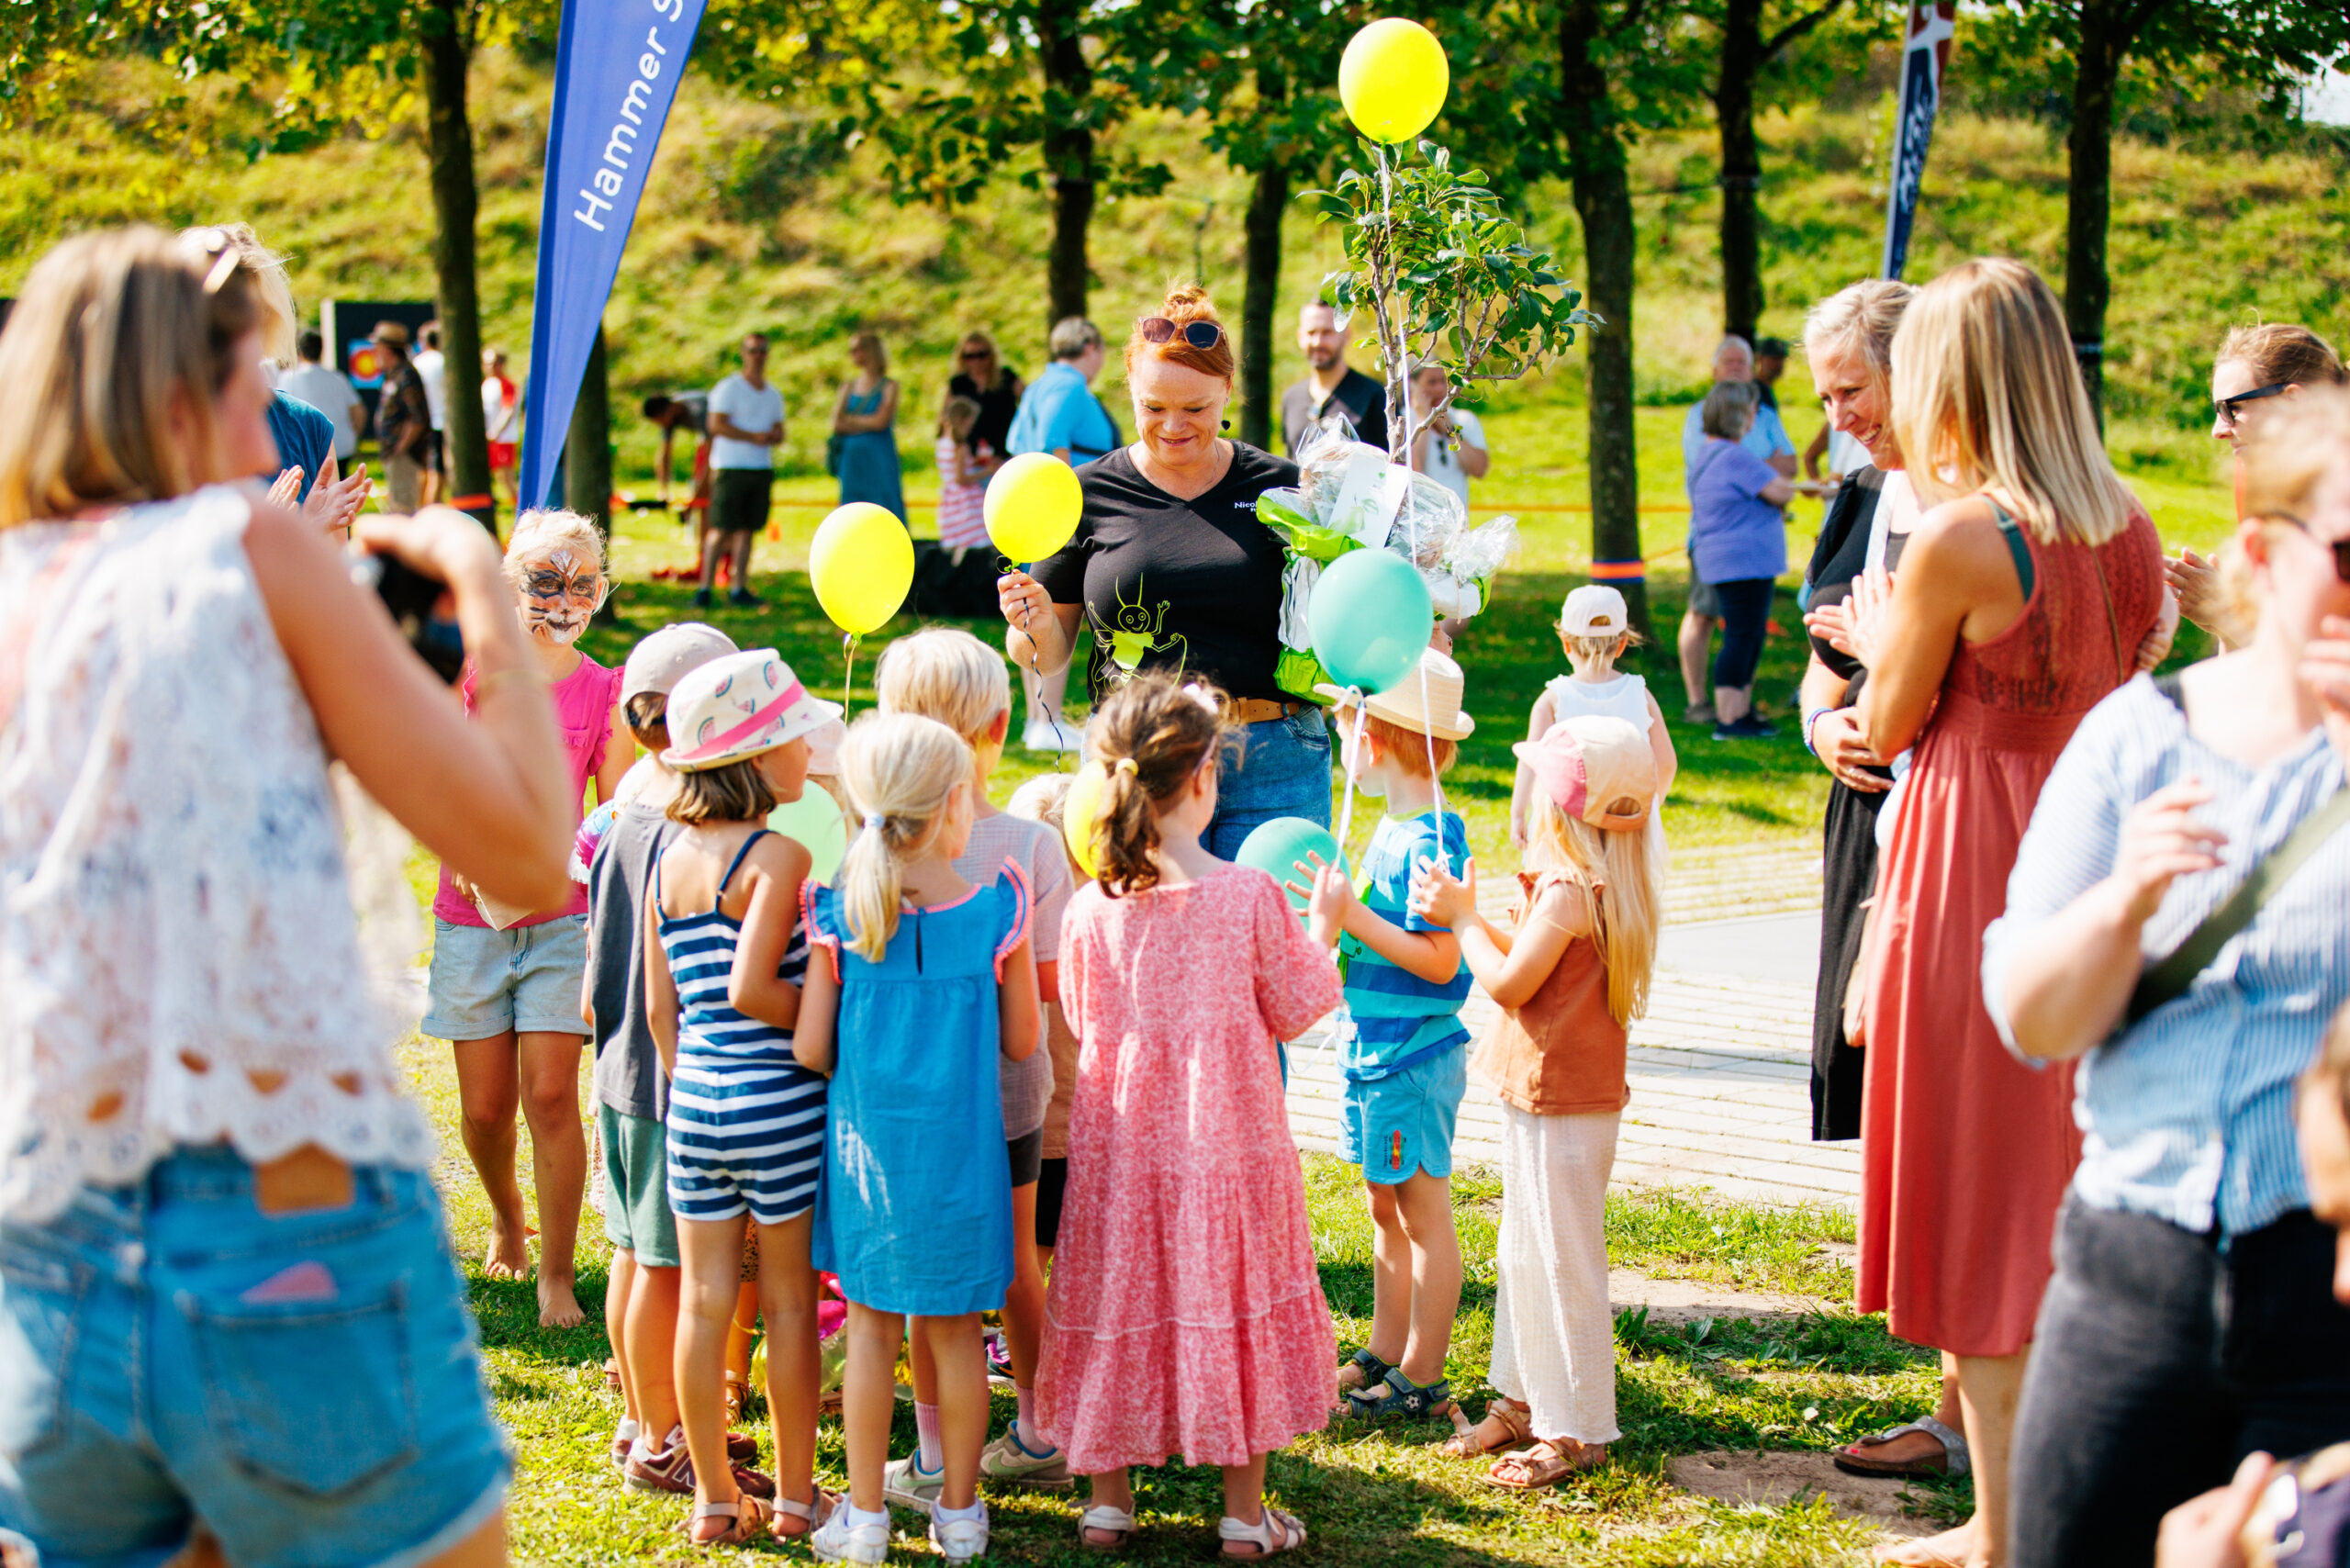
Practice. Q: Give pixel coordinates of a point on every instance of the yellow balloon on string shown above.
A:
(1081, 814)
(1032, 507)
(861, 563)
(1393, 79)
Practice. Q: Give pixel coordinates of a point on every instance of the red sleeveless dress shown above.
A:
(1965, 1152)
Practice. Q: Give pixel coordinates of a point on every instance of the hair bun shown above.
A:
(1188, 301)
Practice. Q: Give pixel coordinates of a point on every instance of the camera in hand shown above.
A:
(414, 600)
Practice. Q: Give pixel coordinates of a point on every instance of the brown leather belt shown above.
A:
(1263, 709)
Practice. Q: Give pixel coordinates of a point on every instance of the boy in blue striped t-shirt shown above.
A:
(1404, 1065)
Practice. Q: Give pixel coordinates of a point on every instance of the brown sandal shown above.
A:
(747, 1522)
(1468, 1441)
(737, 1390)
(612, 1373)
(1544, 1464)
(810, 1516)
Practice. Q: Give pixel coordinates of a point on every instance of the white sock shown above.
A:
(627, 1432)
(977, 1513)
(858, 1518)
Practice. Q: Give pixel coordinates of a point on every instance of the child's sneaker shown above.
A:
(624, 1437)
(905, 1483)
(838, 1540)
(960, 1538)
(1013, 1464)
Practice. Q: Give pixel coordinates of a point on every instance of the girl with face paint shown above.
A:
(505, 981)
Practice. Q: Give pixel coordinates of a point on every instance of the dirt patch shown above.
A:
(1672, 1302)
(1779, 1478)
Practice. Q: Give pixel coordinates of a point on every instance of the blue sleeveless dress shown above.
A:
(746, 1121)
(914, 1214)
(869, 466)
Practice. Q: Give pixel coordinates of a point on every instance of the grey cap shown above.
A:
(656, 663)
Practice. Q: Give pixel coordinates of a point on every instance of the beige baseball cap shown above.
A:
(1594, 610)
(1589, 765)
(658, 662)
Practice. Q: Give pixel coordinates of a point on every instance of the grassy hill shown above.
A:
(754, 219)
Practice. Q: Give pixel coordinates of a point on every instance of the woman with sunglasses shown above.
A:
(983, 378)
(2258, 368)
(1172, 571)
(2191, 1319)
(506, 980)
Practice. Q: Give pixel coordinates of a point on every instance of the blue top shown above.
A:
(1766, 437)
(304, 438)
(914, 1212)
(869, 469)
(1734, 533)
(1400, 1019)
(1058, 410)
(700, 949)
(2188, 1114)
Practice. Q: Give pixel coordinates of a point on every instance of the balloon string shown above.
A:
(848, 665)
(1035, 666)
(1354, 751)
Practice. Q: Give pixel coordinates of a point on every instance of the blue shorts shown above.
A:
(526, 978)
(308, 1385)
(1397, 1126)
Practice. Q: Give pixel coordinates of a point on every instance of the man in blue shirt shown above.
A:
(1059, 413)
(1767, 439)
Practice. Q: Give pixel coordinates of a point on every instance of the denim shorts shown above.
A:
(1397, 1126)
(526, 978)
(1277, 768)
(308, 1385)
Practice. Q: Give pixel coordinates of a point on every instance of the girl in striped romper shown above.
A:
(724, 957)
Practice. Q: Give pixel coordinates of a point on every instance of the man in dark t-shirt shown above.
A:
(403, 420)
(1331, 384)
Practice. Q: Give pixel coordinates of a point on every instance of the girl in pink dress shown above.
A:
(1185, 1314)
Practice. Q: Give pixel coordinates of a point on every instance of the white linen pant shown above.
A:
(1554, 1338)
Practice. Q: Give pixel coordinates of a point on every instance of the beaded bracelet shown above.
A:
(1811, 718)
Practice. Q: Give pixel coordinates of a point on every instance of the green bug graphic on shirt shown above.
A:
(1135, 631)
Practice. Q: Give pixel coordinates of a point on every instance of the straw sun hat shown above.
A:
(1427, 704)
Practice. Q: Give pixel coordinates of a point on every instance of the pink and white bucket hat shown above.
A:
(738, 707)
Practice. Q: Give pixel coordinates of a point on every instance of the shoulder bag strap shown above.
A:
(2168, 980)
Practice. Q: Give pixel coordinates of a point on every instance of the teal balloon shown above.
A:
(1275, 847)
(816, 822)
(1371, 618)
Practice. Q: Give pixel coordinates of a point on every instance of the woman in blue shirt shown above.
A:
(2191, 1319)
(1738, 543)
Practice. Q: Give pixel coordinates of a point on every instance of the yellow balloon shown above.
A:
(1393, 79)
(1032, 506)
(1081, 813)
(861, 564)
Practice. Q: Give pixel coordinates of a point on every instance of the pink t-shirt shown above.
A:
(583, 706)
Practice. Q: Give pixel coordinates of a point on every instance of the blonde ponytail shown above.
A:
(901, 770)
(1620, 874)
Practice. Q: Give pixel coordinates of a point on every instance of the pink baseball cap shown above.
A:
(738, 707)
(1591, 764)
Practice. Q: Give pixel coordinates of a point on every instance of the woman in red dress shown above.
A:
(2024, 596)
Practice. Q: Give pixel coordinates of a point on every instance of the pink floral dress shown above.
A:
(1186, 1313)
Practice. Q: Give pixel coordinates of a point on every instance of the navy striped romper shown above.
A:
(746, 1122)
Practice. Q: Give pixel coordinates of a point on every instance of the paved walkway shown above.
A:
(1719, 1067)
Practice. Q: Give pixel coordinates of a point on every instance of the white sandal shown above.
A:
(1110, 1521)
(1275, 1533)
(813, 1513)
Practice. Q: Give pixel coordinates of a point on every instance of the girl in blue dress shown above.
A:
(921, 982)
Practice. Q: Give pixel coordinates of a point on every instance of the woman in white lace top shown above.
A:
(226, 1290)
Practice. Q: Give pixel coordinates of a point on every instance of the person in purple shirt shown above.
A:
(1738, 544)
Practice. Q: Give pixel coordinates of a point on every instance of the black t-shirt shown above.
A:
(1843, 554)
(1360, 398)
(996, 407)
(1168, 583)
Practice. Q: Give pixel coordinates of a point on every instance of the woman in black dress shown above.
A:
(983, 378)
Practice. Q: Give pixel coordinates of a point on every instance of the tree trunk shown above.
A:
(588, 449)
(1603, 196)
(450, 144)
(1741, 236)
(1069, 153)
(2097, 67)
(1258, 346)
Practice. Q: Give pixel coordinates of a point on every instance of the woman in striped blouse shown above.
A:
(2191, 1319)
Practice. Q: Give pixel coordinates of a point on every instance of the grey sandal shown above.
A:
(1955, 1458)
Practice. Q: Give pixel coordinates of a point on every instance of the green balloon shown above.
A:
(1275, 847)
(1370, 617)
(815, 821)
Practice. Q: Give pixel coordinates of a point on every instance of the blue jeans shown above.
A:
(308, 1385)
(1277, 768)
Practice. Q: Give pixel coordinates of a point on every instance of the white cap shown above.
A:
(1594, 610)
(656, 663)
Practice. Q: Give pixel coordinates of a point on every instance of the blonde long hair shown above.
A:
(944, 673)
(901, 770)
(113, 331)
(265, 271)
(1987, 394)
(1622, 878)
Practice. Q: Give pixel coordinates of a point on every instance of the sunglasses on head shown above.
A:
(215, 246)
(2228, 407)
(1199, 334)
(2340, 547)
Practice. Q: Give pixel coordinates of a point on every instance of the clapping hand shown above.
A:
(1441, 897)
(335, 501)
(2157, 648)
(2160, 839)
(1837, 740)
(287, 490)
(1328, 902)
(2196, 582)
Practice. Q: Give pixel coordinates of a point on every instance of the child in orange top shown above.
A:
(1575, 973)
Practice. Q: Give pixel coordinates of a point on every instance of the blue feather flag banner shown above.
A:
(617, 67)
(1923, 59)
